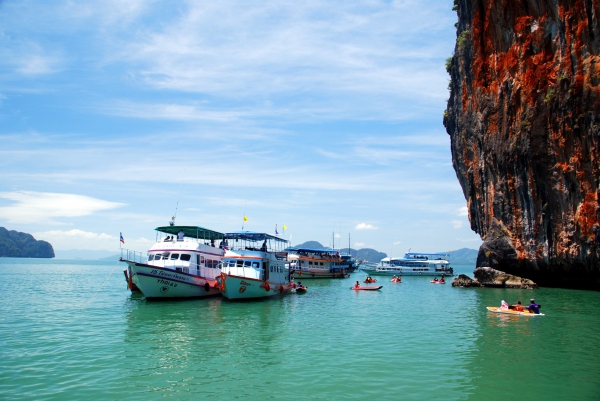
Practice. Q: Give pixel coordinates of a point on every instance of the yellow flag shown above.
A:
(245, 218)
(284, 227)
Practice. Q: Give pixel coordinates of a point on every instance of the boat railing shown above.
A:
(133, 256)
(202, 270)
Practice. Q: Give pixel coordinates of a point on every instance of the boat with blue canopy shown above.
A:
(254, 266)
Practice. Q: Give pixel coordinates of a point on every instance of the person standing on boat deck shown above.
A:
(180, 235)
(264, 246)
(212, 242)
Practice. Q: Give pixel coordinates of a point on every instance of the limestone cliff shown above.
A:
(22, 245)
(524, 121)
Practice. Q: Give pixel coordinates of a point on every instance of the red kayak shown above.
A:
(437, 282)
(367, 288)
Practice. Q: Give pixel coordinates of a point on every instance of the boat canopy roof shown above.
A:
(253, 236)
(192, 232)
(315, 250)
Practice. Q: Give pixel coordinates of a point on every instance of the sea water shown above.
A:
(70, 330)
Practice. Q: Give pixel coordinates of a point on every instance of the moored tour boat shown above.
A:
(412, 264)
(183, 263)
(251, 270)
(317, 263)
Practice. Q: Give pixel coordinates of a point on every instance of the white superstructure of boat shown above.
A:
(254, 266)
(183, 263)
(412, 264)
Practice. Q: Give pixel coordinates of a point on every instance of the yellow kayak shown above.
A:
(496, 309)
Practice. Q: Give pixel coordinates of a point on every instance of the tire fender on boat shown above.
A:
(267, 287)
(206, 286)
(312, 274)
(281, 289)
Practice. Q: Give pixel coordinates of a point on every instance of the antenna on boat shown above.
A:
(172, 223)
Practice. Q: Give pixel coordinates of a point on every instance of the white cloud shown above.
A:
(463, 211)
(365, 226)
(397, 242)
(45, 207)
(79, 239)
(359, 244)
(457, 223)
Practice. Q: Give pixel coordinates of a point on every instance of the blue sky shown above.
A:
(324, 116)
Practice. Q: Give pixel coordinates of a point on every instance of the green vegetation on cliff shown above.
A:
(22, 245)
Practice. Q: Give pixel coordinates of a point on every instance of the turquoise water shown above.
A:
(413, 340)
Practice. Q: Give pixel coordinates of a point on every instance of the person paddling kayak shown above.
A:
(533, 307)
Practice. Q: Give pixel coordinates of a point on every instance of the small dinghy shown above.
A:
(301, 288)
(367, 288)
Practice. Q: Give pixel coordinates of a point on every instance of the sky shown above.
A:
(321, 116)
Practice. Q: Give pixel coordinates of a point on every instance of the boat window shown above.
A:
(240, 263)
(256, 265)
(310, 263)
(185, 257)
(201, 259)
(247, 263)
(174, 256)
(165, 255)
(321, 263)
(150, 257)
(157, 256)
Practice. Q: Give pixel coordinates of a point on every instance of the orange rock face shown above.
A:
(524, 122)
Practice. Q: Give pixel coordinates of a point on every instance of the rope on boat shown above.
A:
(113, 270)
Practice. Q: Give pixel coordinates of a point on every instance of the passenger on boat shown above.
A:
(180, 235)
(533, 307)
(264, 246)
(394, 278)
(518, 307)
(212, 242)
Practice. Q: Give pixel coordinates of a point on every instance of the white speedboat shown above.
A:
(183, 263)
(254, 266)
(317, 263)
(412, 264)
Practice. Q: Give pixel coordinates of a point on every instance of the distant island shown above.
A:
(15, 244)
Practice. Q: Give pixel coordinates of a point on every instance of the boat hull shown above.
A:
(157, 282)
(310, 275)
(237, 287)
(495, 309)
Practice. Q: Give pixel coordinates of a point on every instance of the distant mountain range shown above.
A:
(15, 244)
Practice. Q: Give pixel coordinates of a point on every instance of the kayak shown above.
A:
(437, 282)
(370, 282)
(367, 288)
(496, 309)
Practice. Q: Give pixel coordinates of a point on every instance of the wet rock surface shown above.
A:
(488, 277)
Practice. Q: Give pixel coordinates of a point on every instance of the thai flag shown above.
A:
(121, 236)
